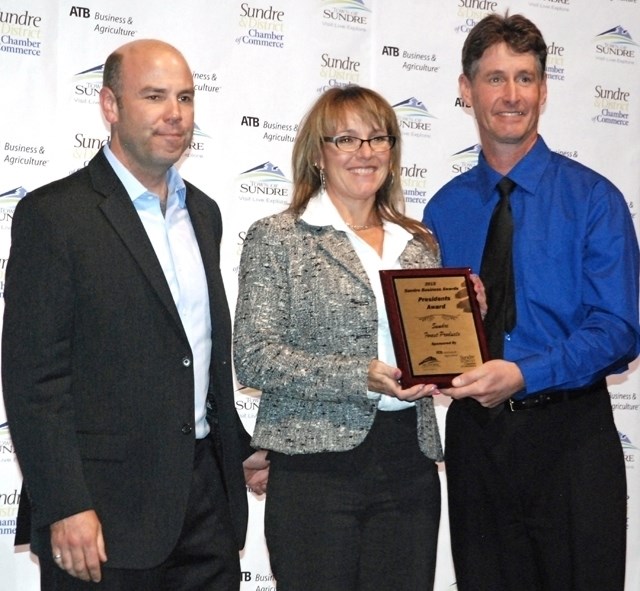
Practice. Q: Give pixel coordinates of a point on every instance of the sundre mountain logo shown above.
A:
(413, 117)
(91, 75)
(616, 45)
(4, 429)
(265, 183)
(264, 173)
(10, 199)
(197, 145)
(87, 85)
(629, 450)
(413, 108)
(197, 132)
(626, 441)
(7, 450)
(465, 159)
(345, 14)
(356, 5)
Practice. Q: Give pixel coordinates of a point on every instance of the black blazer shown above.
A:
(97, 369)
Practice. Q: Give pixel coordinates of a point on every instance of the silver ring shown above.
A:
(57, 556)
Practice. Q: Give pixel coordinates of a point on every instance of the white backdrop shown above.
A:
(258, 65)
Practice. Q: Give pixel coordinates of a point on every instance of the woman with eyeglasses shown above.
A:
(354, 495)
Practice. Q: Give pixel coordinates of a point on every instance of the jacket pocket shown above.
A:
(110, 447)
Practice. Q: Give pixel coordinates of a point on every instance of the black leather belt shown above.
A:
(553, 397)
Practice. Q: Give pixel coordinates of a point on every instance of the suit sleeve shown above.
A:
(36, 363)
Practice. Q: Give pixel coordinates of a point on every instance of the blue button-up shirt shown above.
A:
(575, 259)
(176, 247)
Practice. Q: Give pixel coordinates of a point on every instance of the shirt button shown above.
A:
(186, 428)
(186, 362)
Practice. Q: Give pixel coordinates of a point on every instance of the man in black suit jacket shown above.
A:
(116, 360)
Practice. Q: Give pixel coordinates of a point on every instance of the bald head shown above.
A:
(138, 50)
(148, 100)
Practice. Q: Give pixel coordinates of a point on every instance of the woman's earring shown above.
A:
(323, 180)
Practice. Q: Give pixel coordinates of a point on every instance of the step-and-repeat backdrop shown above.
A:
(258, 65)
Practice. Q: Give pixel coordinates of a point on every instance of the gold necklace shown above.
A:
(356, 228)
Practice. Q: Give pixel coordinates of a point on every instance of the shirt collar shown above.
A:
(321, 211)
(135, 189)
(527, 173)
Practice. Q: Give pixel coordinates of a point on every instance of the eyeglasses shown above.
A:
(348, 143)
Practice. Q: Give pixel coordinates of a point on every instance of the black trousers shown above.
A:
(206, 557)
(361, 520)
(537, 498)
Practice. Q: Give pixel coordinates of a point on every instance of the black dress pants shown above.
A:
(361, 520)
(537, 498)
(206, 557)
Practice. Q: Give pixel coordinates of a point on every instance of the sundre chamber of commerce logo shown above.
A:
(413, 117)
(265, 183)
(345, 14)
(87, 85)
(465, 159)
(262, 27)
(20, 33)
(471, 11)
(9, 501)
(616, 45)
(414, 184)
(612, 105)
(84, 148)
(555, 61)
(338, 71)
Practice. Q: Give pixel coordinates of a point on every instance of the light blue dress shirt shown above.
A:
(176, 247)
(575, 263)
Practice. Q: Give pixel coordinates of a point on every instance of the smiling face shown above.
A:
(507, 93)
(152, 116)
(355, 177)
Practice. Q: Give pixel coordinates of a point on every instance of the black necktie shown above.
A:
(496, 272)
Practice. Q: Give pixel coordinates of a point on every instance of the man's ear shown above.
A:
(464, 85)
(109, 104)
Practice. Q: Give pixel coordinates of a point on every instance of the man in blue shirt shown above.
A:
(535, 470)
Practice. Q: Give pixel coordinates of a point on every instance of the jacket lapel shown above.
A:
(416, 256)
(122, 215)
(337, 246)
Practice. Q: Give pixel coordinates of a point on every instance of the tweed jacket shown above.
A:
(305, 333)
